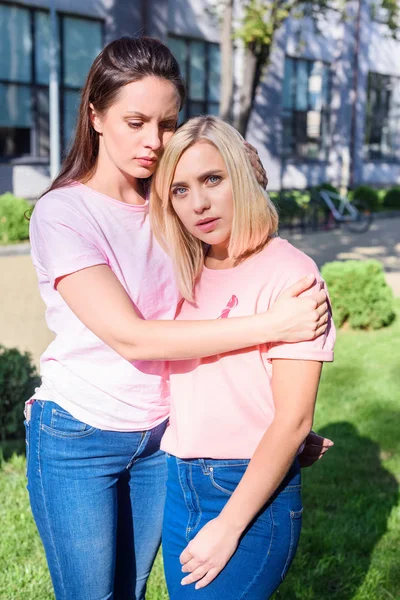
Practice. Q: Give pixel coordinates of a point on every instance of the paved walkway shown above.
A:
(381, 242)
(22, 321)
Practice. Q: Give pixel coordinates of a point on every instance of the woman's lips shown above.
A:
(146, 162)
(208, 225)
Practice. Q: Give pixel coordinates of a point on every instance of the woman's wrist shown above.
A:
(268, 330)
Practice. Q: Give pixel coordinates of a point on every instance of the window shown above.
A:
(24, 76)
(305, 116)
(200, 66)
(382, 131)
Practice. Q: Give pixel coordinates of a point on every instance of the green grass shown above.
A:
(349, 548)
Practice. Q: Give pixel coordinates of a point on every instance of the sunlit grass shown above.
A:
(351, 533)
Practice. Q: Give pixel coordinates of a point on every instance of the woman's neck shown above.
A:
(115, 185)
(217, 257)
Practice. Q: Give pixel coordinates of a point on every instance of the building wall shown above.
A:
(297, 38)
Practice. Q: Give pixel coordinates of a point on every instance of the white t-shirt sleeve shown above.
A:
(62, 240)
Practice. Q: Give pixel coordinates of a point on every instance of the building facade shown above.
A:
(327, 109)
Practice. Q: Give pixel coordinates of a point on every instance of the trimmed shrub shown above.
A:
(329, 187)
(359, 294)
(392, 199)
(18, 379)
(14, 226)
(369, 195)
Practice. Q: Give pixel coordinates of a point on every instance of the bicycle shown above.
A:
(355, 214)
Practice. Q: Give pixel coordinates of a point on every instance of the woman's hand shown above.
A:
(314, 449)
(299, 319)
(208, 553)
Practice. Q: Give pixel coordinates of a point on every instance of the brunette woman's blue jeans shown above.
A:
(97, 498)
(197, 491)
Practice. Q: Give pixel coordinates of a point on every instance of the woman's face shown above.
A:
(201, 194)
(134, 130)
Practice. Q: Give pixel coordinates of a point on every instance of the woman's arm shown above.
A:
(294, 387)
(98, 299)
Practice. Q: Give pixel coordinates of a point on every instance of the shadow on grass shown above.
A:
(347, 502)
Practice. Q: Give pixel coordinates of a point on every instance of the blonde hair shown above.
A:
(255, 218)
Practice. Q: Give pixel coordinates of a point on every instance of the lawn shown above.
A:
(350, 543)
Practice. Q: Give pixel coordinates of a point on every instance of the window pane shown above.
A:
(315, 86)
(287, 133)
(196, 108)
(178, 49)
(43, 122)
(213, 108)
(197, 70)
(214, 60)
(325, 86)
(42, 47)
(288, 84)
(15, 142)
(313, 124)
(302, 85)
(71, 105)
(182, 115)
(15, 106)
(15, 44)
(300, 125)
(82, 43)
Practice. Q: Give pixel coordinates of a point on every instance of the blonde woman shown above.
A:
(233, 511)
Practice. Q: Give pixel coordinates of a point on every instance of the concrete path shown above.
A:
(381, 242)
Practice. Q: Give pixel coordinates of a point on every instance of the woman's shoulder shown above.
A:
(288, 260)
(59, 202)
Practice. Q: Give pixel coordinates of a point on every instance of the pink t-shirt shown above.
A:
(73, 228)
(221, 406)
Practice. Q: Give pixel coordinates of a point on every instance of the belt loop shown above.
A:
(204, 466)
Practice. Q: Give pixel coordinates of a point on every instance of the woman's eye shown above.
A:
(169, 126)
(213, 179)
(134, 125)
(179, 191)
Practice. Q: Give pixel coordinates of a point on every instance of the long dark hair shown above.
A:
(121, 62)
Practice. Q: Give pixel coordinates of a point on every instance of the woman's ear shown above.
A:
(95, 119)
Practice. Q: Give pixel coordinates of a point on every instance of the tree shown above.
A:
(258, 24)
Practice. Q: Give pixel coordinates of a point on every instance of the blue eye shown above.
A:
(179, 191)
(213, 179)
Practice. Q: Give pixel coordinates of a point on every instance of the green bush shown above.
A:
(359, 294)
(18, 379)
(392, 199)
(329, 187)
(369, 195)
(14, 226)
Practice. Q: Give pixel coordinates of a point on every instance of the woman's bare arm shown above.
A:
(99, 300)
(294, 387)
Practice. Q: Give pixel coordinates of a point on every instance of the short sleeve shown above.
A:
(319, 349)
(62, 239)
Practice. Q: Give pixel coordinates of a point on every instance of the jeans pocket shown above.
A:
(226, 478)
(64, 425)
(295, 529)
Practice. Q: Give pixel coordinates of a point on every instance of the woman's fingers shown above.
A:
(322, 309)
(185, 556)
(319, 297)
(211, 575)
(195, 575)
(320, 330)
(191, 565)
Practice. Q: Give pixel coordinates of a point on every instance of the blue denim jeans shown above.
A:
(97, 498)
(197, 491)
